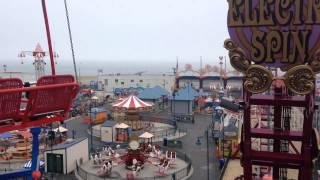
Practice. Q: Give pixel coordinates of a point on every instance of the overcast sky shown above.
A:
(113, 34)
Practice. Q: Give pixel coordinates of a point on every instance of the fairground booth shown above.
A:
(183, 101)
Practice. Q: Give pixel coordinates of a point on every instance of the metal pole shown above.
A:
(53, 71)
(91, 143)
(222, 136)
(207, 136)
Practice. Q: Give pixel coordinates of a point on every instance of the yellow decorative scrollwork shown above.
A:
(237, 56)
(300, 79)
(258, 79)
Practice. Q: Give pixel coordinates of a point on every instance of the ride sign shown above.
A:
(275, 31)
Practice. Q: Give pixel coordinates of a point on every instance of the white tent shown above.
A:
(122, 126)
(146, 135)
(60, 129)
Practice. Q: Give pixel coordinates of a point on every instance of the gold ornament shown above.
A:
(258, 79)
(300, 79)
(237, 56)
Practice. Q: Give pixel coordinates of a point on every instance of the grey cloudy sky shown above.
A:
(142, 34)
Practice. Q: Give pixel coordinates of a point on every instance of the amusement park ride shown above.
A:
(287, 42)
(39, 62)
(32, 107)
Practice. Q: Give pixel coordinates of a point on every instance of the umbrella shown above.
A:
(146, 135)
(60, 129)
(122, 126)
(218, 108)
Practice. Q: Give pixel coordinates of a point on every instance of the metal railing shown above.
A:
(157, 134)
(182, 173)
(223, 170)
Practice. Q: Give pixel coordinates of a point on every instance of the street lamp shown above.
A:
(174, 104)
(198, 142)
(92, 99)
(221, 63)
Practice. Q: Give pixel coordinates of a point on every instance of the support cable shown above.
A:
(71, 42)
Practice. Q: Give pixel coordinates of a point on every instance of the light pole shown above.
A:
(173, 105)
(94, 99)
(221, 63)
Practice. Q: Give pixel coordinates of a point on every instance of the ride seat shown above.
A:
(10, 102)
(52, 101)
(49, 101)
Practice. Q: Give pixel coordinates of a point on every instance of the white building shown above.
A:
(62, 158)
(113, 81)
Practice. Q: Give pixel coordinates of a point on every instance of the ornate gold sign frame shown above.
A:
(299, 79)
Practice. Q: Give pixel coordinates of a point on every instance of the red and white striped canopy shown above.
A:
(132, 103)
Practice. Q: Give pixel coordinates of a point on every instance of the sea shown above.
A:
(25, 69)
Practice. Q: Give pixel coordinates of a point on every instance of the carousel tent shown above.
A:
(132, 103)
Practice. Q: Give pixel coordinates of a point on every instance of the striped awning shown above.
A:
(132, 103)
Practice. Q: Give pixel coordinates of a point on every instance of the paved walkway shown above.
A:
(198, 153)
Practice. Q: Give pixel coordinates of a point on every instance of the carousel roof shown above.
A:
(132, 102)
(146, 135)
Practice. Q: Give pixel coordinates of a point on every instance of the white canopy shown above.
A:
(122, 126)
(60, 129)
(146, 135)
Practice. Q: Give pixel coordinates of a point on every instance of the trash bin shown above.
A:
(165, 142)
(221, 163)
